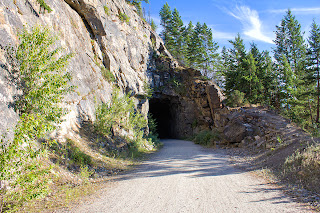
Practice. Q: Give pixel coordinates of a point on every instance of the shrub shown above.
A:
(147, 89)
(304, 165)
(44, 5)
(236, 98)
(106, 73)
(206, 137)
(119, 112)
(106, 10)
(38, 72)
(123, 17)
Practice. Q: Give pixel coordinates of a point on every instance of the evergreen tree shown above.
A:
(176, 30)
(187, 50)
(153, 25)
(234, 72)
(166, 16)
(137, 4)
(211, 56)
(313, 75)
(290, 55)
(265, 74)
(196, 49)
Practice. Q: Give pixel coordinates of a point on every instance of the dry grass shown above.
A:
(303, 167)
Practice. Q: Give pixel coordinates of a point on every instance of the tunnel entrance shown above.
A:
(163, 112)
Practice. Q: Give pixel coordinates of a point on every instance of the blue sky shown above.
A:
(255, 20)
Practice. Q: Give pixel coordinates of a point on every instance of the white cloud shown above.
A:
(251, 23)
(217, 35)
(314, 10)
(222, 35)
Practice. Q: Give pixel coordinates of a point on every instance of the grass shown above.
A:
(207, 138)
(304, 167)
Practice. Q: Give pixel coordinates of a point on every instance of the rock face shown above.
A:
(130, 49)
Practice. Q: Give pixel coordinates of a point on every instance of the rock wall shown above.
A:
(131, 50)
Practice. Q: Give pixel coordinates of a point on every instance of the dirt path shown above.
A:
(184, 177)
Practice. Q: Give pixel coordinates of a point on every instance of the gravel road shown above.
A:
(184, 177)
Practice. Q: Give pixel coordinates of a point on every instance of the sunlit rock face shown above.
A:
(130, 49)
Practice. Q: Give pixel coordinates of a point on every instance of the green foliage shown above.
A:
(148, 89)
(153, 25)
(119, 112)
(207, 137)
(305, 166)
(38, 72)
(123, 17)
(250, 73)
(69, 154)
(106, 10)
(312, 77)
(137, 4)
(153, 134)
(44, 5)
(192, 46)
(236, 99)
(107, 74)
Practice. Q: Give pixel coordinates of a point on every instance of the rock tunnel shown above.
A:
(164, 111)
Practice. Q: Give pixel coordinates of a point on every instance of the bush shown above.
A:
(119, 112)
(106, 10)
(236, 99)
(206, 137)
(38, 72)
(304, 166)
(123, 17)
(44, 5)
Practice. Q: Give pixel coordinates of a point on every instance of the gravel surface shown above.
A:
(184, 177)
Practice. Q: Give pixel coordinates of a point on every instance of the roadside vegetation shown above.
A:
(34, 166)
(207, 138)
(304, 166)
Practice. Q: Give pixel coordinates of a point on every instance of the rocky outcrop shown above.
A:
(130, 50)
(194, 101)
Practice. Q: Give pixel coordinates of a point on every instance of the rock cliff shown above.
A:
(102, 40)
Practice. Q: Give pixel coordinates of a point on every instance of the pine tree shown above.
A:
(211, 56)
(187, 50)
(176, 31)
(290, 55)
(265, 74)
(236, 56)
(313, 75)
(153, 25)
(166, 16)
(196, 49)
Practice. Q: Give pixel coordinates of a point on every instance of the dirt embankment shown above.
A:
(279, 147)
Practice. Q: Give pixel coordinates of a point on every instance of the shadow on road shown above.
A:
(185, 158)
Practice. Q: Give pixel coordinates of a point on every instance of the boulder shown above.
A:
(236, 132)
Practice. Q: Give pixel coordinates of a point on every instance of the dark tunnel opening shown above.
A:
(162, 112)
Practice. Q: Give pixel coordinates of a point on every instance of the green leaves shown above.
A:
(120, 112)
(38, 70)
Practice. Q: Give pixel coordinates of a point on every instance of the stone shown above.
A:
(235, 132)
